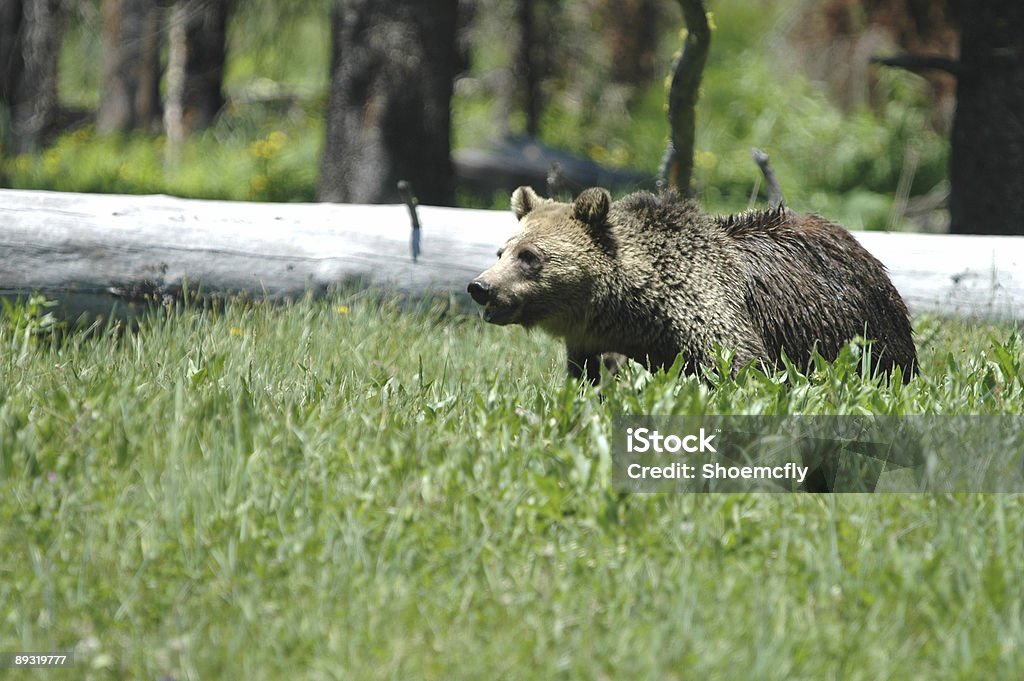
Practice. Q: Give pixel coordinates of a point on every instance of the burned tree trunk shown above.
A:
(131, 66)
(529, 65)
(205, 54)
(987, 163)
(388, 116)
(11, 62)
(30, 37)
(11, 65)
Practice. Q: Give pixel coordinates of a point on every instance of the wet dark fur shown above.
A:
(808, 283)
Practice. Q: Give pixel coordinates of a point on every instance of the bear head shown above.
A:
(547, 270)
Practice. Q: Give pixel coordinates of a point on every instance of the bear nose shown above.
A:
(480, 290)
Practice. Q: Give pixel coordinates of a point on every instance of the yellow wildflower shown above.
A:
(259, 183)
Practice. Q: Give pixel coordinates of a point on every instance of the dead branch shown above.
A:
(771, 183)
(677, 163)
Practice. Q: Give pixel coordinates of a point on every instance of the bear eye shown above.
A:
(529, 257)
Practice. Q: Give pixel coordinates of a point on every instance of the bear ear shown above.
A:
(525, 200)
(591, 206)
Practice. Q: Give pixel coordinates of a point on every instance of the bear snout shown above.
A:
(480, 290)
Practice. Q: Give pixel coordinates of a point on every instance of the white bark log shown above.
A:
(82, 249)
(88, 250)
(954, 275)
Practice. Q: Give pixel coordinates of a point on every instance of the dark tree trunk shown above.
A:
(528, 66)
(131, 66)
(388, 119)
(987, 171)
(11, 62)
(30, 38)
(205, 52)
(10, 70)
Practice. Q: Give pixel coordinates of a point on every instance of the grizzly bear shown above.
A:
(650, 277)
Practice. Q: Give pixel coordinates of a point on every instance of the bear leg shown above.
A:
(582, 364)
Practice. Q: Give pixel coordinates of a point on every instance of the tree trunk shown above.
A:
(987, 165)
(10, 71)
(205, 53)
(29, 50)
(131, 66)
(11, 62)
(174, 88)
(195, 69)
(388, 119)
(528, 66)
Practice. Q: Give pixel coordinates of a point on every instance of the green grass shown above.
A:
(365, 488)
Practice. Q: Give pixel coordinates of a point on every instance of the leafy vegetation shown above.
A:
(846, 166)
(272, 161)
(375, 488)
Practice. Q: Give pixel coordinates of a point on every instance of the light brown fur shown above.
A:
(652, 276)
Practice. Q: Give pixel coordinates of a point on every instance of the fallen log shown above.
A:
(92, 251)
(951, 275)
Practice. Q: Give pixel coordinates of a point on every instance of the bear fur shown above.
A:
(651, 276)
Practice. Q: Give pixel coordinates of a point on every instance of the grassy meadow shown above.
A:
(368, 487)
(372, 488)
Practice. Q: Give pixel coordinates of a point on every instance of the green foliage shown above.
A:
(30, 318)
(241, 158)
(372, 488)
(845, 166)
(265, 146)
(826, 162)
(274, 49)
(279, 45)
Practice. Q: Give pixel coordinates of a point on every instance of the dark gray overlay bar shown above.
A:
(818, 454)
